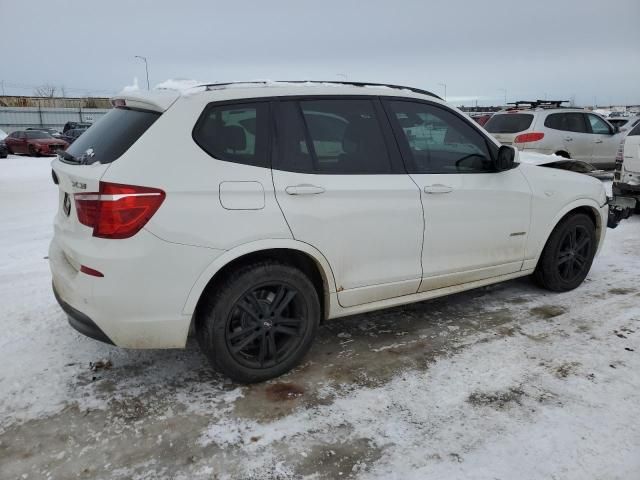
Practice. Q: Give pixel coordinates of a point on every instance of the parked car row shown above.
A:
(38, 141)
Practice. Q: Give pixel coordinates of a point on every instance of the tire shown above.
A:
(9, 151)
(563, 154)
(32, 151)
(568, 254)
(257, 309)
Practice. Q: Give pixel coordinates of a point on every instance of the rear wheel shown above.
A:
(562, 154)
(260, 322)
(9, 150)
(568, 254)
(32, 151)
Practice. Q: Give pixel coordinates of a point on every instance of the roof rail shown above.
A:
(538, 103)
(210, 86)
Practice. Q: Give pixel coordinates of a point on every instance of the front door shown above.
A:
(605, 142)
(342, 188)
(476, 219)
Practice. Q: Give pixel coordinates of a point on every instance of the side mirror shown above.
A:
(506, 158)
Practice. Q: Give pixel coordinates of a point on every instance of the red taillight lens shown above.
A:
(118, 211)
(529, 137)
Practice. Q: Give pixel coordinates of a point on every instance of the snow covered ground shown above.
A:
(503, 382)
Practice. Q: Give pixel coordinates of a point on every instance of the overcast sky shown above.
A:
(584, 49)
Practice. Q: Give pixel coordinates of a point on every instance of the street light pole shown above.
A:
(146, 68)
(505, 95)
(445, 90)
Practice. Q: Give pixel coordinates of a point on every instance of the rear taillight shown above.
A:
(118, 211)
(529, 137)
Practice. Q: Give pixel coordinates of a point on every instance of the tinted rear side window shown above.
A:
(568, 122)
(235, 133)
(333, 136)
(635, 131)
(509, 123)
(112, 135)
(618, 122)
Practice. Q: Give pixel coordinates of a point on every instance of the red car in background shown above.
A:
(34, 143)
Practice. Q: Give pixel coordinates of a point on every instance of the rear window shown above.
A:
(509, 123)
(112, 135)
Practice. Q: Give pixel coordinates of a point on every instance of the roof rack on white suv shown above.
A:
(537, 104)
(212, 86)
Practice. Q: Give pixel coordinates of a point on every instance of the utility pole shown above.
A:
(146, 68)
(504, 90)
(445, 90)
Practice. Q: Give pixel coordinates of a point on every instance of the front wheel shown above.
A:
(32, 151)
(568, 254)
(260, 322)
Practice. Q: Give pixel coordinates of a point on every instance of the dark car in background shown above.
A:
(70, 136)
(75, 125)
(4, 152)
(34, 143)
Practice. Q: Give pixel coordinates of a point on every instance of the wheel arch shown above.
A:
(587, 206)
(292, 252)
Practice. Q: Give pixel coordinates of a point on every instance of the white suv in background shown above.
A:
(253, 212)
(626, 178)
(567, 132)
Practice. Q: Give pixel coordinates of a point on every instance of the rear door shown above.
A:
(476, 219)
(342, 188)
(573, 134)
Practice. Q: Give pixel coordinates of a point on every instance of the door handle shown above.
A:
(437, 188)
(598, 141)
(568, 139)
(304, 190)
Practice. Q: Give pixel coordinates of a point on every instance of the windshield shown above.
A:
(509, 123)
(111, 136)
(37, 134)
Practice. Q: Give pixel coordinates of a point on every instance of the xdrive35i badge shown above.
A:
(66, 204)
(80, 185)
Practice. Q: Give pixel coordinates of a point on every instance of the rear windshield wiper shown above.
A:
(66, 157)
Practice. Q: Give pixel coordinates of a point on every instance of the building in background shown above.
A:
(17, 113)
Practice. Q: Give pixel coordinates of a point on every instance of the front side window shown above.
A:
(235, 133)
(568, 122)
(438, 141)
(598, 125)
(332, 136)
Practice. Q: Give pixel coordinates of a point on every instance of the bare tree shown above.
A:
(63, 91)
(45, 91)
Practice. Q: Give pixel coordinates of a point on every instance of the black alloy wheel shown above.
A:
(574, 253)
(266, 325)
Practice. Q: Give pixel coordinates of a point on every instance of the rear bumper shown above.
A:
(140, 300)
(81, 322)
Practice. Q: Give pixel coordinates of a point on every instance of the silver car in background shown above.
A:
(546, 127)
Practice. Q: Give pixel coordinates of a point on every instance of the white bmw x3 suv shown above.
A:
(251, 213)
